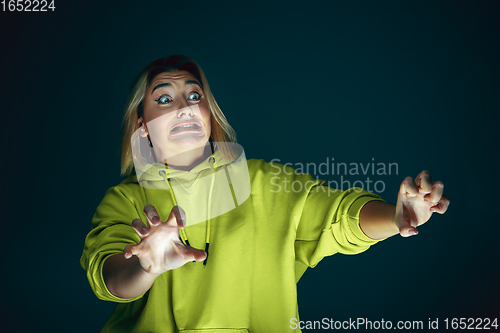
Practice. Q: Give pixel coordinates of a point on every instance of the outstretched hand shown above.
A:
(417, 200)
(160, 248)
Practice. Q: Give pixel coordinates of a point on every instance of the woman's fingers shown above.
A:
(130, 250)
(152, 215)
(442, 206)
(177, 217)
(424, 182)
(197, 254)
(408, 187)
(436, 193)
(188, 252)
(411, 213)
(182, 216)
(405, 219)
(407, 230)
(155, 251)
(434, 190)
(144, 259)
(140, 228)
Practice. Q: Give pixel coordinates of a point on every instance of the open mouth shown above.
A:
(186, 127)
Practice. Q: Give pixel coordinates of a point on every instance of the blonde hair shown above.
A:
(221, 130)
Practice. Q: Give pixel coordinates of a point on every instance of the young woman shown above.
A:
(144, 254)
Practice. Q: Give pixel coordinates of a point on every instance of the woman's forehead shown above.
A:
(173, 77)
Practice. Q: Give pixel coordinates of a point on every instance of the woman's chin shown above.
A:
(190, 142)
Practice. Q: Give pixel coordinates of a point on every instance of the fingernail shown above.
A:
(155, 219)
(412, 232)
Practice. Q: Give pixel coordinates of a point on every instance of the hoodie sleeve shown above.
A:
(329, 224)
(111, 232)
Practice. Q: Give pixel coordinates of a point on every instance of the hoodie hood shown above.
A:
(150, 173)
(217, 185)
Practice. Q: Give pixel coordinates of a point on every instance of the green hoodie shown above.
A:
(258, 250)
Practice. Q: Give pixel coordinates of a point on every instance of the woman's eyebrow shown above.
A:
(191, 82)
(187, 83)
(159, 86)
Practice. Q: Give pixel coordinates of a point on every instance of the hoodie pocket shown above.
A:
(217, 330)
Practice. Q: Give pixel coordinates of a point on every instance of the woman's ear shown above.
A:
(144, 131)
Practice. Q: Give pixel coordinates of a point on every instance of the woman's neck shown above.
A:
(188, 160)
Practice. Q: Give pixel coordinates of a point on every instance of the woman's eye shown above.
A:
(163, 99)
(194, 96)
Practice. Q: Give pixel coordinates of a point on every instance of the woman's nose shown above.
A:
(185, 111)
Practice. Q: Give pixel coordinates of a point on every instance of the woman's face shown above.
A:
(176, 114)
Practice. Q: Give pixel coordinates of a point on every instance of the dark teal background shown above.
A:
(414, 83)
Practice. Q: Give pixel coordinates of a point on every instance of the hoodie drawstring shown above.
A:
(182, 233)
(207, 236)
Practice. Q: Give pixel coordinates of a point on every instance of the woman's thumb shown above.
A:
(406, 230)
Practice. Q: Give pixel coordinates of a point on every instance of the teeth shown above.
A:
(182, 127)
